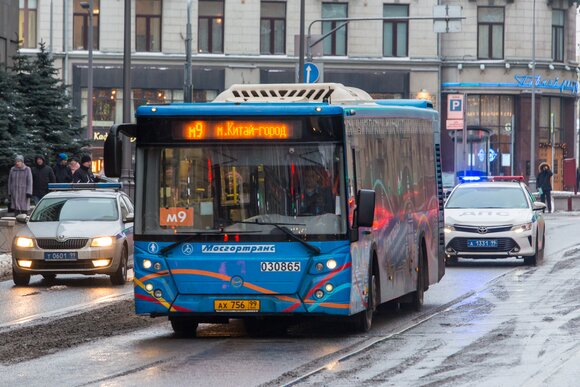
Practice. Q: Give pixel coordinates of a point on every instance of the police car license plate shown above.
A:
(236, 305)
(61, 256)
(482, 243)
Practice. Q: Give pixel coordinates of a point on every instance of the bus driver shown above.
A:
(316, 198)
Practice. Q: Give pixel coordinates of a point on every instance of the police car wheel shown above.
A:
(20, 279)
(120, 276)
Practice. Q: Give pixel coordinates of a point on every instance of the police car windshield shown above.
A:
(75, 209)
(487, 197)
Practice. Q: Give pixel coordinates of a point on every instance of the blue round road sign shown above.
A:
(311, 72)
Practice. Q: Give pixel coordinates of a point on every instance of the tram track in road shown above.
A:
(332, 361)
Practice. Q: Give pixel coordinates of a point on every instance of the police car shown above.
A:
(495, 218)
(77, 228)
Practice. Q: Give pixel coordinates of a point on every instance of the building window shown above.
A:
(550, 120)
(334, 44)
(27, 23)
(395, 33)
(81, 26)
(273, 28)
(148, 25)
(558, 35)
(149, 96)
(211, 26)
(104, 104)
(3, 53)
(492, 114)
(490, 26)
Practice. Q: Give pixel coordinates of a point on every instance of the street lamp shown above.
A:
(532, 181)
(90, 7)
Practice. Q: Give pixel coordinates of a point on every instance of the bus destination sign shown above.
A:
(237, 130)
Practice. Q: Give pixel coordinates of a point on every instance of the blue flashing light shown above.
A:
(472, 179)
(81, 186)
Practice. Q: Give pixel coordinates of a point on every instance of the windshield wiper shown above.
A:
(285, 230)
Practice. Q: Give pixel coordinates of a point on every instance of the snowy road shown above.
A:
(492, 320)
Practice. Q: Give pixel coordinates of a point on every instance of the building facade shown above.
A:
(257, 42)
(491, 64)
(8, 32)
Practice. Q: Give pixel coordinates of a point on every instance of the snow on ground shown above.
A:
(5, 264)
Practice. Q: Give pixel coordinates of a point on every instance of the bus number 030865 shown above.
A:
(279, 266)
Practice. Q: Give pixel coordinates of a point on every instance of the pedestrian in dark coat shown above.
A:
(544, 184)
(62, 171)
(84, 173)
(20, 186)
(42, 174)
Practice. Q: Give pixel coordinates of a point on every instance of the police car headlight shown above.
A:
(449, 228)
(24, 242)
(102, 242)
(522, 227)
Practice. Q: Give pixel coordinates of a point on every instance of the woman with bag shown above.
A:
(544, 184)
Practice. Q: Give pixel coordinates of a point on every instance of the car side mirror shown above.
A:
(129, 218)
(540, 206)
(365, 208)
(22, 218)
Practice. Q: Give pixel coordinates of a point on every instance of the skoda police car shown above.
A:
(84, 228)
(496, 218)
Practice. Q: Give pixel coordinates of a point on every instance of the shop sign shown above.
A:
(523, 81)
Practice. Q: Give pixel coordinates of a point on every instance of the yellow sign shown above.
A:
(236, 305)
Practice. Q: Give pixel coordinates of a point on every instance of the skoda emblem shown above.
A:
(237, 281)
(60, 238)
(482, 230)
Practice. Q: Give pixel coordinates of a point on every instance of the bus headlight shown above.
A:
(102, 242)
(24, 242)
(331, 264)
(522, 227)
(146, 264)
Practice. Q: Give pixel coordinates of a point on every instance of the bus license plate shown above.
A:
(482, 243)
(236, 305)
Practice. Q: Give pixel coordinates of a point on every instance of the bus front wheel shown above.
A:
(183, 327)
(364, 320)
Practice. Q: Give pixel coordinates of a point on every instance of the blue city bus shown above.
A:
(283, 201)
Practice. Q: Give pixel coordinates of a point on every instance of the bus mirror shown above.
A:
(113, 151)
(365, 208)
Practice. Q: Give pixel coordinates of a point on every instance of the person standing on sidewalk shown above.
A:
(544, 184)
(42, 174)
(84, 174)
(20, 186)
(62, 171)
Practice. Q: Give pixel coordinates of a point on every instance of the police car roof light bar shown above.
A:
(507, 178)
(81, 186)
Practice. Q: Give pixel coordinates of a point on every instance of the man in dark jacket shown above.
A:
(42, 174)
(84, 173)
(544, 184)
(62, 171)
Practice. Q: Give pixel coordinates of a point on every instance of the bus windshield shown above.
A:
(246, 189)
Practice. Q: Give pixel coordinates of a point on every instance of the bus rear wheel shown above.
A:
(418, 296)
